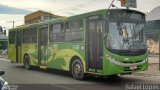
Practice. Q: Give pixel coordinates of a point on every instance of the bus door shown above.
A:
(94, 44)
(42, 45)
(18, 46)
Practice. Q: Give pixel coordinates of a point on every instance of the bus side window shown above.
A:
(74, 31)
(33, 35)
(12, 37)
(56, 33)
(25, 37)
(68, 31)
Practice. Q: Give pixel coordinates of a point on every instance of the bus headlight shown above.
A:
(112, 60)
(145, 60)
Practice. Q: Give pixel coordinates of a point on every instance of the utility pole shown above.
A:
(13, 22)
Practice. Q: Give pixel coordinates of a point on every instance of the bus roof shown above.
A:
(68, 18)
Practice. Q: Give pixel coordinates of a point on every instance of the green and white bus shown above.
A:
(103, 42)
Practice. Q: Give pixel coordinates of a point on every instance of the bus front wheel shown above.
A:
(77, 69)
(27, 65)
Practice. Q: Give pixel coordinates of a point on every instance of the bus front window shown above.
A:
(125, 36)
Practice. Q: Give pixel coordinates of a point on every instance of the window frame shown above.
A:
(25, 37)
(72, 30)
(53, 38)
(33, 35)
(12, 39)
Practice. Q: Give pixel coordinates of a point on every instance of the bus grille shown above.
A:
(132, 62)
(128, 68)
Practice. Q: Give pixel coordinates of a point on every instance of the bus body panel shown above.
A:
(58, 55)
(33, 54)
(19, 54)
(11, 52)
(62, 53)
(111, 69)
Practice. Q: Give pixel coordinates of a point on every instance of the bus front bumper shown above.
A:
(113, 67)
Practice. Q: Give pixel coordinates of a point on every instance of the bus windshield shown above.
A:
(126, 36)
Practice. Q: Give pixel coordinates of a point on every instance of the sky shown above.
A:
(15, 10)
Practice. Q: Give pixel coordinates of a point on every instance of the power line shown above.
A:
(72, 6)
(151, 1)
(111, 4)
(80, 6)
(96, 4)
(90, 3)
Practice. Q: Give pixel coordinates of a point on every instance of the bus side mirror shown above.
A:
(2, 73)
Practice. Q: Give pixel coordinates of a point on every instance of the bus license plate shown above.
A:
(133, 67)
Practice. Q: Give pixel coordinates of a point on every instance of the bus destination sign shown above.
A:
(129, 3)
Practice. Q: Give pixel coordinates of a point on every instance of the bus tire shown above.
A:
(27, 65)
(12, 62)
(113, 76)
(77, 70)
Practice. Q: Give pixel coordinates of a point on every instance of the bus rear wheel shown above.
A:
(27, 65)
(77, 69)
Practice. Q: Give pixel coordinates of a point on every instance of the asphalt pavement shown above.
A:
(39, 79)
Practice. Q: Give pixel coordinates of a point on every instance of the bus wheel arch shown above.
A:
(26, 62)
(77, 65)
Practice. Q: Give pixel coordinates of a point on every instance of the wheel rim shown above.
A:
(77, 70)
(26, 64)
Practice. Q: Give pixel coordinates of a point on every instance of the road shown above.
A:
(38, 79)
(154, 59)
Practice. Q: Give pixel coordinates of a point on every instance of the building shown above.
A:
(3, 40)
(39, 16)
(153, 30)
